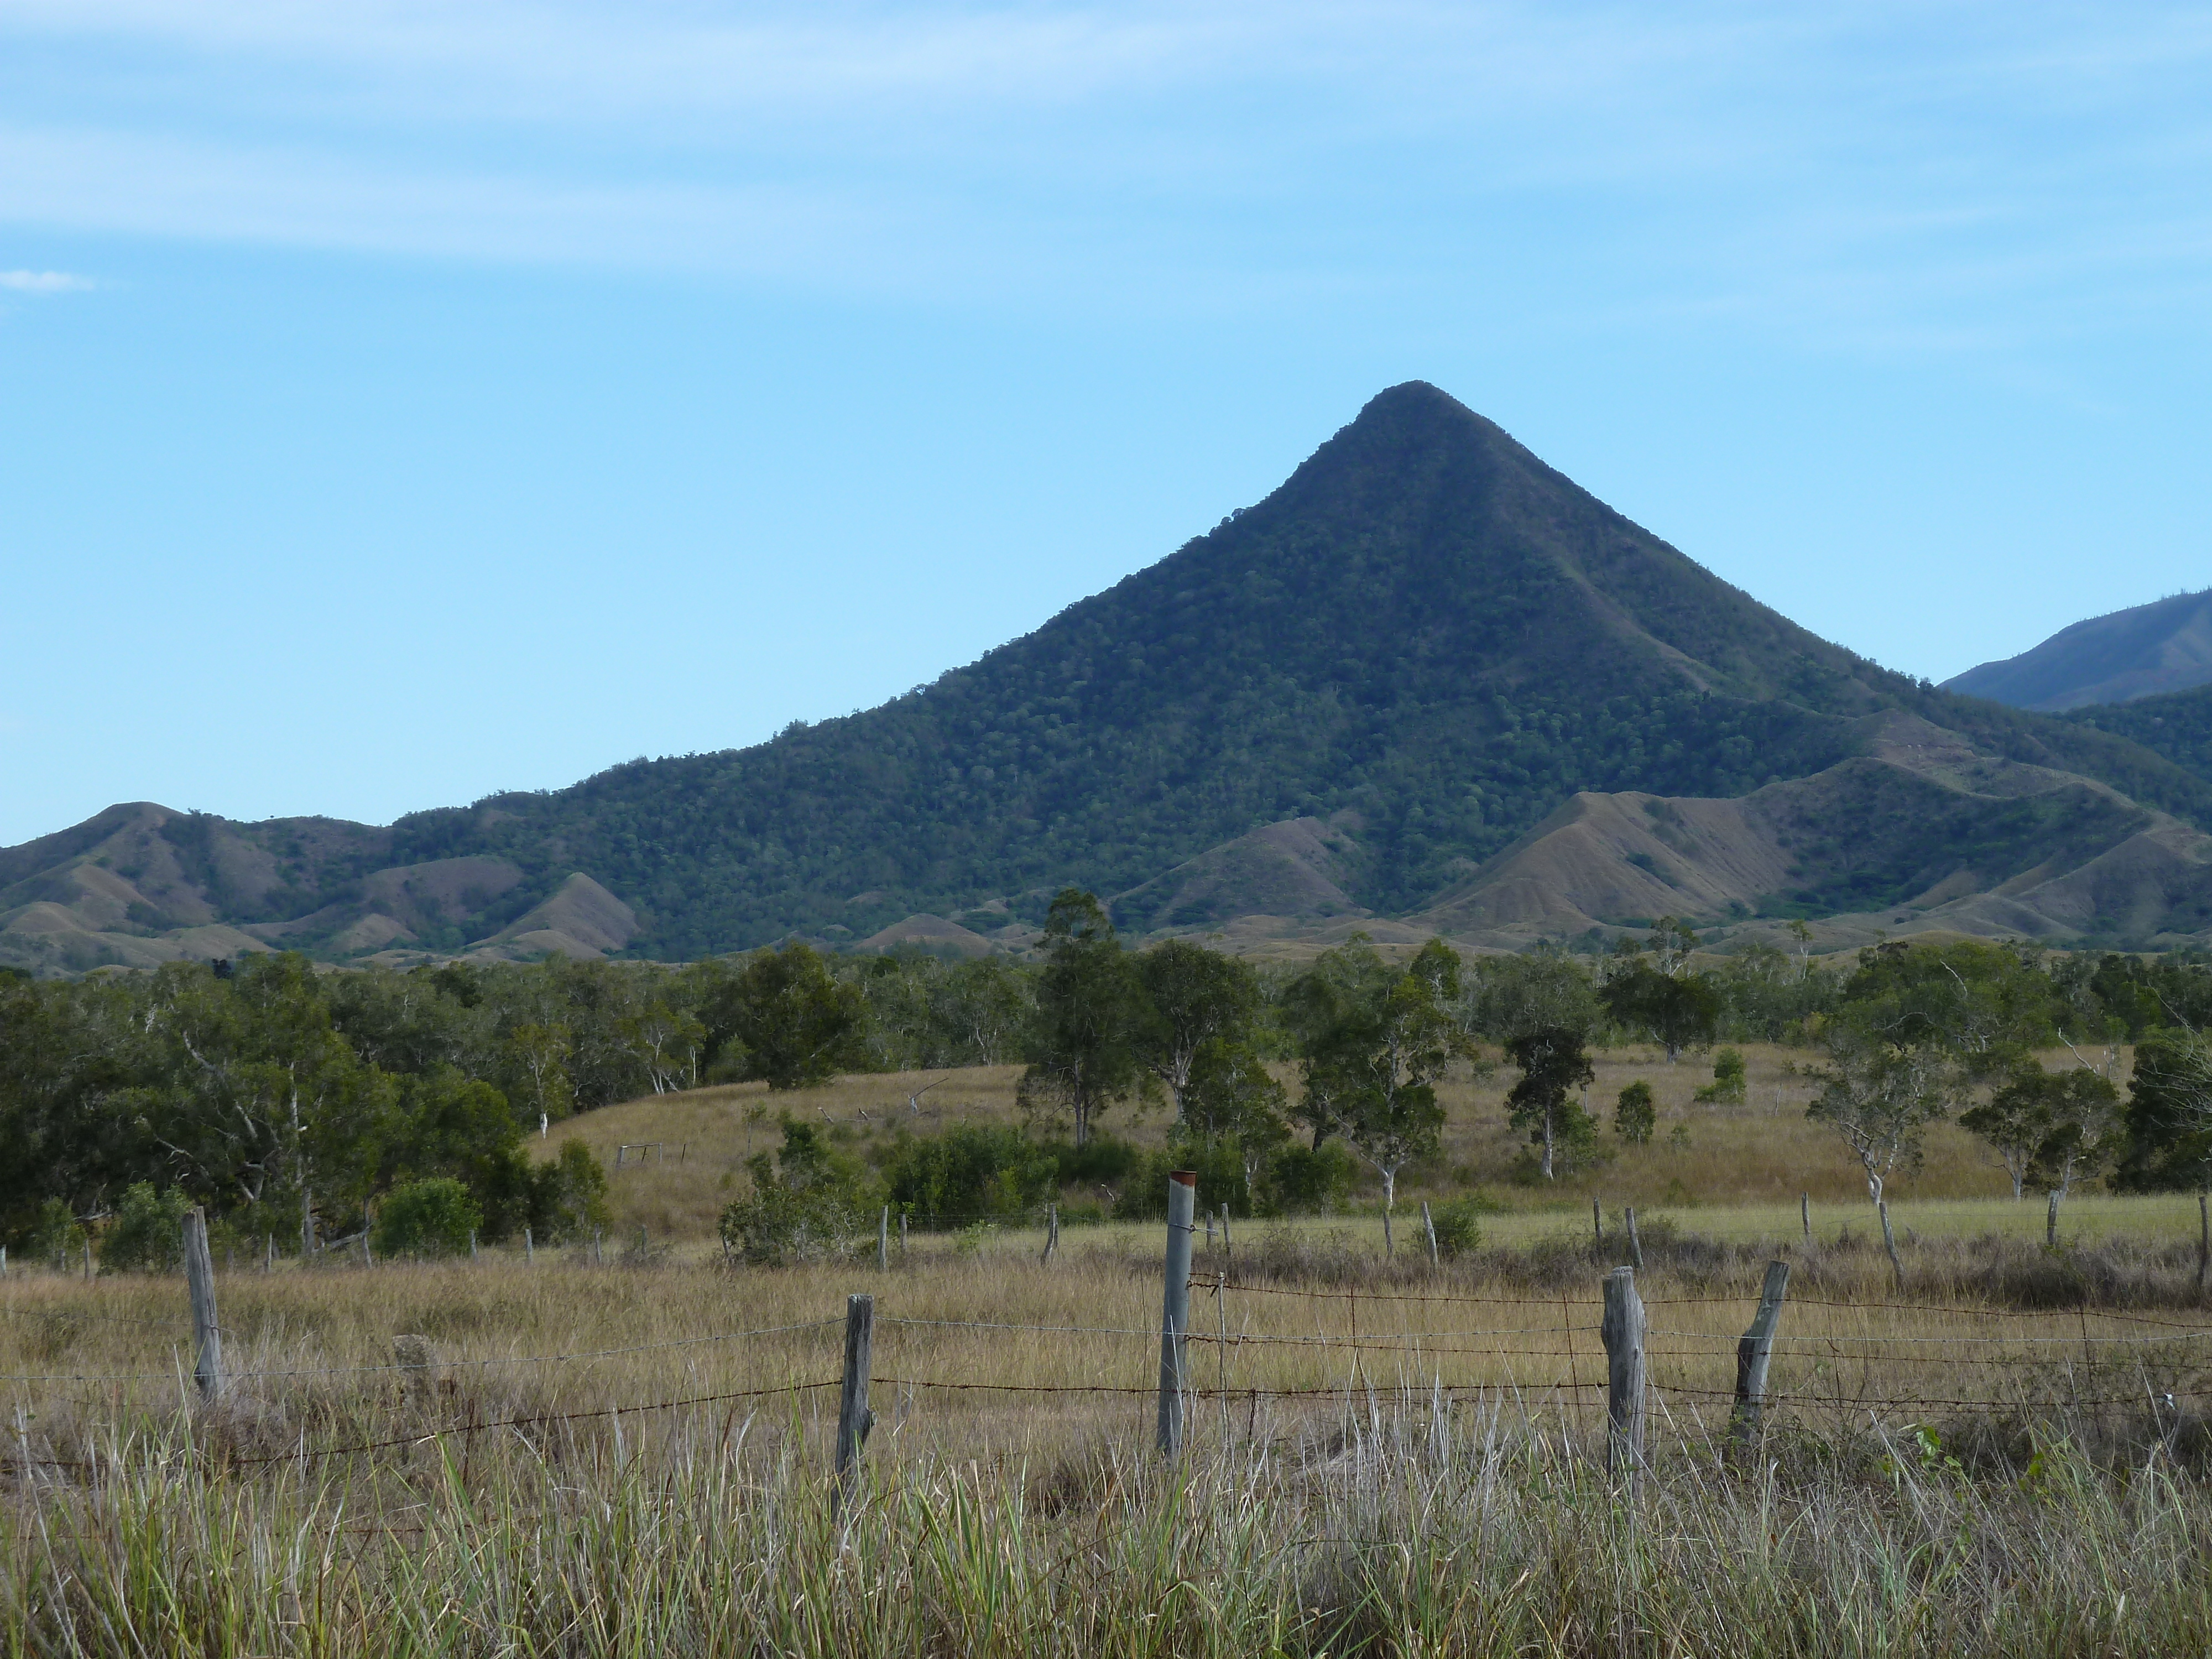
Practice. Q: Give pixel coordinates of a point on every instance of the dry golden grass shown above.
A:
(1752, 1161)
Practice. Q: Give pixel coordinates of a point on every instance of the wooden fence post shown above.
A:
(473, 1256)
(2051, 1222)
(199, 1283)
(2204, 1241)
(854, 1420)
(268, 1253)
(1051, 1231)
(883, 1241)
(1597, 1226)
(1754, 1349)
(1635, 1244)
(87, 1259)
(1174, 1307)
(1429, 1226)
(1623, 1330)
(1805, 1215)
(1228, 1255)
(901, 1233)
(529, 1249)
(3, 1262)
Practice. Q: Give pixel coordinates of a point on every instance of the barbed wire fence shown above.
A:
(1576, 1351)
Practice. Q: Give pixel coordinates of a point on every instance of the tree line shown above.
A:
(293, 1102)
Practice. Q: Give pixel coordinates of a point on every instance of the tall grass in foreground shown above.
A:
(1396, 1528)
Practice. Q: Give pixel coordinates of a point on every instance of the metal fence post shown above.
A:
(1754, 1349)
(1622, 1331)
(1174, 1307)
(199, 1282)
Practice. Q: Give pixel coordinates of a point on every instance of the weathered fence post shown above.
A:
(1228, 1255)
(1051, 1231)
(2204, 1241)
(1209, 1232)
(1597, 1226)
(2051, 1222)
(3, 1262)
(1635, 1244)
(199, 1282)
(902, 1232)
(883, 1241)
(1174, 1307)
(1429, 1226)
(473, 1256)
(1805, 1214)
(529, 1249)
(1754, 1349)
(1622, 1331)
(87, 1259)
(367, 1256)
(268, 1253)
(854, 1420)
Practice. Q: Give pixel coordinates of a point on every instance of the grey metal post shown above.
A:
(1635, 1244)
(1623, 1330)
(854, 1420)
(1754, 1349)
(883, 1241)
(1429, 1226)
(199, 1282)
(1175, 1308)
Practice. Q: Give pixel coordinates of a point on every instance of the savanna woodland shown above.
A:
(468, 1401)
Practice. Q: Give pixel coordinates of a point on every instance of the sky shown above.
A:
(402, 402)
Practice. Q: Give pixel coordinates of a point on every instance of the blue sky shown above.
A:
(403, 401)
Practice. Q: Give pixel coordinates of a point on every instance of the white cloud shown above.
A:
(44, 282)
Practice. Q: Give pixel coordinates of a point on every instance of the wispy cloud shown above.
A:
(43, 282)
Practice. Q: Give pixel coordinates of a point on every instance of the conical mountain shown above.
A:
(1355, 696)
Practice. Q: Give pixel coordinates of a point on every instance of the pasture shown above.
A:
(628, 1451)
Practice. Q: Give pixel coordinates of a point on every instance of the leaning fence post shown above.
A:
(199, 1283)
(1622, 1331)
(854, 1420)
(1227, 1255)
(1429, 1226)
(1174, 1306)
(1635, 1244)
(1754, 1349)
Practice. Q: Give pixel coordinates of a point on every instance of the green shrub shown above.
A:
(811, 1203)
(1102, 1161)
(147, 1231)
(426, 1218)
(1458, 1222)
(1302, 1181)
(1634, 1115)
(1218, 1163)
(971, 1171)
(56, 1233)
(1727, 1085)
(568, 1196)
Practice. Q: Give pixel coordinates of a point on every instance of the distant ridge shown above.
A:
(2145, 650)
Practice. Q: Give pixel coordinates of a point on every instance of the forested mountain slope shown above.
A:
(1423, 643)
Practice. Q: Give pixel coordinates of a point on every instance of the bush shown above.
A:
(1633, 1115)
(1459, 1226)
(1102, 1161)
(147, 1231)
(811, 1203)
(426, 1218)
(971, 1171)
(1304, 1181)
(568, 1196)
(1727, 1085)
(56, 1232)
(1218, 1163)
